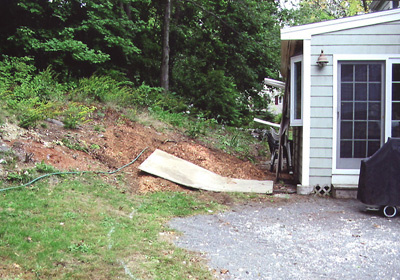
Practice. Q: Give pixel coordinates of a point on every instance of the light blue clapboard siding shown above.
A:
(321, 91)
(321, 132)
(321, 153)
(358, 49)
(321, 101)
(321, 122)
(379, 29)
(321, 112)
(321, 80)
(348, 39)
(321, 142)
(321, 71)
(320, 163)
(320, 172)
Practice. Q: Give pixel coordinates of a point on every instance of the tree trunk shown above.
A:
(165, 53)
(365, 5)
(128, 10)
(121, 7)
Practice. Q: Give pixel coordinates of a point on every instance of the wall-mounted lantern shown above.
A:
(322, 59)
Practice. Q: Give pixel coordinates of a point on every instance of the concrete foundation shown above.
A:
(340, 191)
(304, 190)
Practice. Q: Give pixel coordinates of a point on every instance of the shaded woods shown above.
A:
(211, 55)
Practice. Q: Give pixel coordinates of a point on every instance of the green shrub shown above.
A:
(30, 97)
(278, 118)
(44, 168)
(77, 114)
(155, 97)
(22, 177)
(20, 82)
(33, 111)
(16, 70)
(199, 126)
(210, 91)
(144, 96)
(74, 145)
(101, 89)
(176, 119)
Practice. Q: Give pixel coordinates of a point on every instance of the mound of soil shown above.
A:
(110, 141)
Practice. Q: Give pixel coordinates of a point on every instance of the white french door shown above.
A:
(361, 87)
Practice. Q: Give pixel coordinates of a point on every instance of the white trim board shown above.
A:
(341, 179)
(306, 31)
(305, 181)
(293, 61)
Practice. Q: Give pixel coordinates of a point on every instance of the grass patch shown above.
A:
(83, 228)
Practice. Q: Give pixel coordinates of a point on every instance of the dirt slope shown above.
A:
(110, 141)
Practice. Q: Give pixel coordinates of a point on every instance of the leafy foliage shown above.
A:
(110, 51)
(77, 114)
(99, 88)
(220, 50)
(32, 96)
(73, 36)
(309, 11)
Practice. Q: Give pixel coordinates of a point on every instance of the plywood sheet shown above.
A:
(182, 172)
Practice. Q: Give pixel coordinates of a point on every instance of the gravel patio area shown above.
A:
(295, 237)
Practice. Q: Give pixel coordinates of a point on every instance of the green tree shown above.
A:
(239, 39)
(220, 51)
(76, 37)
(309, 11)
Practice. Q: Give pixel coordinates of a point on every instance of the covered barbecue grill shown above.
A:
(379, 182)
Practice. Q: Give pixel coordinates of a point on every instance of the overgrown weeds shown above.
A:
(77, 114)
(34, 96)
(26, 175)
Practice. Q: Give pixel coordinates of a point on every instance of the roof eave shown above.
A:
(304, 32)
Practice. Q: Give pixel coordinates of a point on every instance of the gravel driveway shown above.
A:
(296, 238)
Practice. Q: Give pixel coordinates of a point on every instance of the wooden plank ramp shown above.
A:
(185, 173)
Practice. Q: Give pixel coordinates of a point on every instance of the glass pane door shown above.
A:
(395, 100)
(360, 112)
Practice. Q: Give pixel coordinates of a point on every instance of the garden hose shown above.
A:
(74, 172)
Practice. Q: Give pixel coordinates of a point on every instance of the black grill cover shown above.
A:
(379, 182)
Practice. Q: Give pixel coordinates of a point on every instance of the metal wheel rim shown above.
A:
(389, 211)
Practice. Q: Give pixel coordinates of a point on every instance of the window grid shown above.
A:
(396, 100)
(360, 110)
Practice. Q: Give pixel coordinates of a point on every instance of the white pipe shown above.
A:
(267, 123)
(274, 83)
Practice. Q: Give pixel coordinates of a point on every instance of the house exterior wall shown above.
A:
(369, 40)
